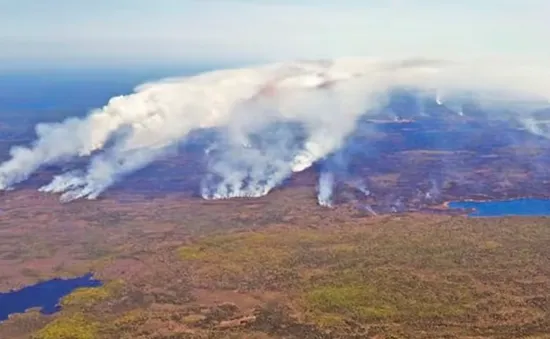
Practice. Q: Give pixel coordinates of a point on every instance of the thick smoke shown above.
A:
(274, 120)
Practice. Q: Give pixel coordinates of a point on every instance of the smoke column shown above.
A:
(314, 105)
(326, 182)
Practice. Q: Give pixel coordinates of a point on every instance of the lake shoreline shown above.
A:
(44, 296)
(523, 207)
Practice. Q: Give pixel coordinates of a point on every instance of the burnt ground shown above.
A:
(176, 266)
(405, 166)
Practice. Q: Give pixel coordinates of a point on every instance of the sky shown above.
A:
(249, 31)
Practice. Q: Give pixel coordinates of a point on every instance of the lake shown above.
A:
(45, 295)
(497, 208)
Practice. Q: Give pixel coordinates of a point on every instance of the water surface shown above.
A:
(45, 295)
(497, 208)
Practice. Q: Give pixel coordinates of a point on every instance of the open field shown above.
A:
(270, 268)
(280, 266)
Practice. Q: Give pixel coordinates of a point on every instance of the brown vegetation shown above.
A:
(273, 269)
(282, 267)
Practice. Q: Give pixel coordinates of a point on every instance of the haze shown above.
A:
(64, 32)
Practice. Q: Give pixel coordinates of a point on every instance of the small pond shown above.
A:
(44, 295)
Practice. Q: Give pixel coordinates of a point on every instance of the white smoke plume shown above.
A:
(316, 103)
(325, 189)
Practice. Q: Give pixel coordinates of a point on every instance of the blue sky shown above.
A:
(180, 31)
